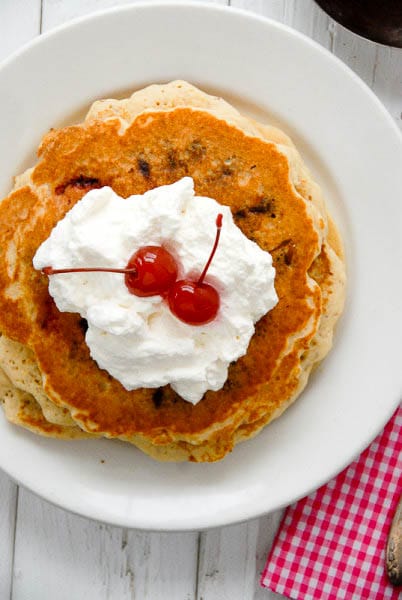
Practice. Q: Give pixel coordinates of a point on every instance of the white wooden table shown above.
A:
(49, 554)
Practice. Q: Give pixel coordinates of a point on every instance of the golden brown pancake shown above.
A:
(22, 409)
(158, 136)
(19, 366)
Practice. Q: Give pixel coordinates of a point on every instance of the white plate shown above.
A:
(354, 150)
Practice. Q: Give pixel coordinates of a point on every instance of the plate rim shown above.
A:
(207, 5)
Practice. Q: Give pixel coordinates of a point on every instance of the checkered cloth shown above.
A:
(331, 545)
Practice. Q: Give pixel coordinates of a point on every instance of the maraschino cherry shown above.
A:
(152, 271)
(196, 302)
(155, 271)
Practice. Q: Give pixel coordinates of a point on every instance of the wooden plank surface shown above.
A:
(19, 23)
(61, 556)
(227, 562)
(57, 12)
(58, 555)
(8, 517)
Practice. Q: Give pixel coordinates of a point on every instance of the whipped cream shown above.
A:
(136, 339)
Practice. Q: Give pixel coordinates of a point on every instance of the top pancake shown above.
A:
(155, 138)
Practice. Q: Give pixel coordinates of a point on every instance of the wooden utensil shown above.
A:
(393, 556)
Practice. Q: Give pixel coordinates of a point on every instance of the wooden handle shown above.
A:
(393, 557)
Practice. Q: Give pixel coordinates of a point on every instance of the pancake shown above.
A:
(18, 364)
(157, 136)
(21, 408)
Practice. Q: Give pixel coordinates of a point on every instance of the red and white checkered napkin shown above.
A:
(331, 545)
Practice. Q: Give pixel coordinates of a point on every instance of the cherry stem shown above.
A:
(218, 233)
(51, 271)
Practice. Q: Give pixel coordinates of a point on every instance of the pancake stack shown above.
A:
(48, 381)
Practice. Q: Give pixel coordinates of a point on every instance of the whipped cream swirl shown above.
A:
(136, 339)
